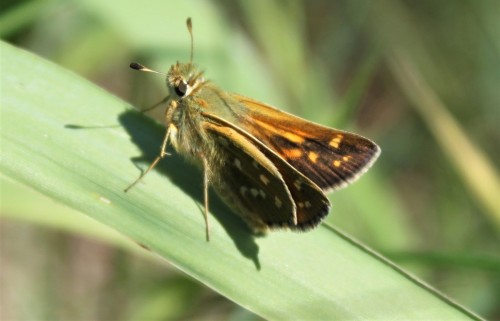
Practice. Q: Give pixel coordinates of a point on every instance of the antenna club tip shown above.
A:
(189, 23)
(136, 66)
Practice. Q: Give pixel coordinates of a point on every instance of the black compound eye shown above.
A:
(181, 89)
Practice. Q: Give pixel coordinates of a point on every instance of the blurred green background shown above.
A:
(420, 78)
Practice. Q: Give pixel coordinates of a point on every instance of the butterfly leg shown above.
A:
(205, 195)
(163, 153)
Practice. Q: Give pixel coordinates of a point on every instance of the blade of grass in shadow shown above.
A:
(284, 276)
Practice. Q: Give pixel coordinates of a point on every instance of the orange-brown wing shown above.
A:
(329, 157)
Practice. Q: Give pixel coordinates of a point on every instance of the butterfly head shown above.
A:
(183, 79)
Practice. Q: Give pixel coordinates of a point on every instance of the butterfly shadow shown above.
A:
(148, 135)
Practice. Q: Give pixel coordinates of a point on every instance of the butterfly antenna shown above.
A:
(138, 66)
(190, 29)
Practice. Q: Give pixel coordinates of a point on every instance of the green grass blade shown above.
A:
(76, 143)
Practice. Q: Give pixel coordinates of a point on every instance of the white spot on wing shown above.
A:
(237, 163)
(277, 202)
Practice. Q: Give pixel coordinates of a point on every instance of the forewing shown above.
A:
(329, 157)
